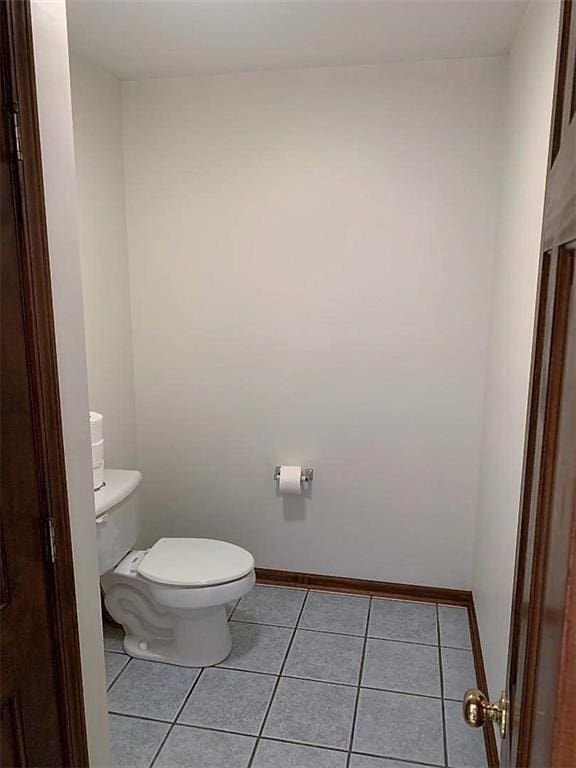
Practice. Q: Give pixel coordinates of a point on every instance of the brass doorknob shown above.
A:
(478, 710)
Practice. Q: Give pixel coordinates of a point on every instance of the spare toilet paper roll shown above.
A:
(289, 482)
(97, 454)
(96, 420)
(98, 475)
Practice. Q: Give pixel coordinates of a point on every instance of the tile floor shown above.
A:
(314, 680)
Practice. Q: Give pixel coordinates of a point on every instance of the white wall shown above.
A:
(55, 117)
(311, 261)
(97, 114)
(529, 100)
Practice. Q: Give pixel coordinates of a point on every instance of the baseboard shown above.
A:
(482, 683)
(415, 592)
(364, 587)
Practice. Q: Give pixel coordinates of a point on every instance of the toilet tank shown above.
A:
(117, 516)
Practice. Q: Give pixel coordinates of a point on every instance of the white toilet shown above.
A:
(171, 599)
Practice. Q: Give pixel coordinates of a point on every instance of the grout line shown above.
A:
(159, 661)
(304, 629)
(457, 648)
(432, 601)
(263, 624)
(359, 686)
(399, 760)
(340, 750)
(139, 717)
(233, 611)
(346, 634)
(400, 693)
(229, 615)
(297, 677)
(334, 682)
(444, 737)
(160, 746)
(212, 729)
(307, 679)
(174, 722)
(109, 685)
(364, 687)
(248, 671)
(272, 697)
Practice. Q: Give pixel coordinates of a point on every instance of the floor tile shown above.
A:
(271, 605)
(313, 713)
(363, 761)
(324, 656)
(465, 744)
(405, 667)
(332, 612)
(115, 663)
(257, 648)
(454, 626)
(396, 725)
(151, 689)
(133, 742)
(113, 638)
(403, 620)
(276, 754)
(229, 700)
(195, 748)
(458, 672)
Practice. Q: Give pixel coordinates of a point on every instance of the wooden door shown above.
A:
(41, 705)
(542, 651)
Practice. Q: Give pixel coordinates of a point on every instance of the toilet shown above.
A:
(171, 599)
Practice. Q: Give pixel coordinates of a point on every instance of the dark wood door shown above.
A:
(542, 651)
(41, 707)
(30, 723)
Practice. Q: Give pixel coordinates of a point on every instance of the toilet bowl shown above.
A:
(171, 599)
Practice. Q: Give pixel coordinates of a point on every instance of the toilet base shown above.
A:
(201, 640)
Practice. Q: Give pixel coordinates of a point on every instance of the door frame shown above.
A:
(18, 59)
(534, 534)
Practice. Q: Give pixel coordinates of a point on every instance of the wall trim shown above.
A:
(482, 683)
(416, 592)
(364, 586)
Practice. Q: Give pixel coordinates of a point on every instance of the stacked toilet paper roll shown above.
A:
(97, 439)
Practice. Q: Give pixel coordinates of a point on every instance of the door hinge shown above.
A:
(50, 540)
(16, 134)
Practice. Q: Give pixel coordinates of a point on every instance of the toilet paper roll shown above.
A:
(96, 420)
(97, 454)
(98, 475)
(289, 482)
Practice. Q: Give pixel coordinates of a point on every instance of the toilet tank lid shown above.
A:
(118, 485)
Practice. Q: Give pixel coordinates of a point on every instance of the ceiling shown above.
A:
(158, 38)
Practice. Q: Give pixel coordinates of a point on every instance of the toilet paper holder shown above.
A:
(306, 476)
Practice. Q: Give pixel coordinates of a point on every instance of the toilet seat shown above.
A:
(195, 562)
